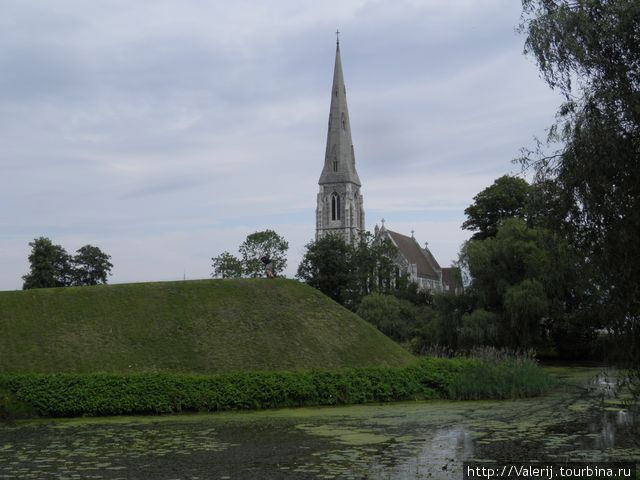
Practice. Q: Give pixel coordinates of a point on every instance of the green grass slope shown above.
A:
(202, 326)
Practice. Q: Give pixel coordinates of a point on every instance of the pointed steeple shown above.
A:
(340, 207)
(339, 159)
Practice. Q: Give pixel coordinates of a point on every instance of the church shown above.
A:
(340, 204)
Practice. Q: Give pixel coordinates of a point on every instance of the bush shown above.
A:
(65, 395)
(397, 318)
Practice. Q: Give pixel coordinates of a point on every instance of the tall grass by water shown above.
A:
(499, 374)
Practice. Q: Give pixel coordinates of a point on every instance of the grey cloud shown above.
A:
(163, 128)
(164, 187)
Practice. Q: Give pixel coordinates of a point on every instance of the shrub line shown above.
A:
(69, 395)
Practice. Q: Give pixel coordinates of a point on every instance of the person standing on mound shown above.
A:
(268, 266)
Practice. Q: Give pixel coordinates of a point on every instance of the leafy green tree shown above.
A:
(90, 266)
(347, 272)
(373, 265)
(411, 291)
(526, 277)
(595, 169)
(478, 327)
(506, 198)
(526, 305)
(226, 265)
(444, 329)
(396, 318)
(260, 244)
(589, 50)
(50, 265)
(327, 266)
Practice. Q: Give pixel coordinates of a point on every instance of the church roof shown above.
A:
(421, 257)
(339, 159)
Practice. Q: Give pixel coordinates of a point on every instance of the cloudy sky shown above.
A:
(165, 131)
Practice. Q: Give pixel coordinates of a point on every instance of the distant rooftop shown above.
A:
(421, 257)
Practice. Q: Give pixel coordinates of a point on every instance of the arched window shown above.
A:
(335, 165)
(344, 124)
(335, 206)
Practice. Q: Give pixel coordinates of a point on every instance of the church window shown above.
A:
(335, 206)
(343, 121)
(335, 165)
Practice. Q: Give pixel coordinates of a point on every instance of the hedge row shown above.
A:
(66, 395)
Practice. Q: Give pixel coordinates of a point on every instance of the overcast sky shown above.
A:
(166, 131)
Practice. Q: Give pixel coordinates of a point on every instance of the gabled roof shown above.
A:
(411, 250)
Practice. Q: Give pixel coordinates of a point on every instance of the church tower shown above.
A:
(340, 208)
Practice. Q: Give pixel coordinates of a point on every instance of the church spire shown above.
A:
(340, 209)
(339, 159)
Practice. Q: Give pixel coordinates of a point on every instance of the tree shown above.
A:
(589, 50)
(445, 324)
(396, 318)
(506, 198)
(327, 266)
(260, 244)
(348, 272)
(478, 327)
(373, 265)
(90, 266)
(526, 277)
(50, 265)
(226, 265)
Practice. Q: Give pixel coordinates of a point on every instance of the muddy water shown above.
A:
(578, 420)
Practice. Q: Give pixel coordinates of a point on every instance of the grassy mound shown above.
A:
(203, 326)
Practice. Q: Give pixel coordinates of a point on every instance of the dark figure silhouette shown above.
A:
(268, 266)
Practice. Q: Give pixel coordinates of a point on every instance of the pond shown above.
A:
(580, 419)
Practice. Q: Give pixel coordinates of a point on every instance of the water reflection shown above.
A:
(439, 454)
(442, 457)
(624, 417)
(611, 424)
(607, 435)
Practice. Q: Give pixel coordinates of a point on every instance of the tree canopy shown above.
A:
(526, 278)
(226, 265)
(260, 244)
(589, 50)
(348, 272)
(266, 243)
(327, 266)
(506, 198)
(90, 266)
(51, 266)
